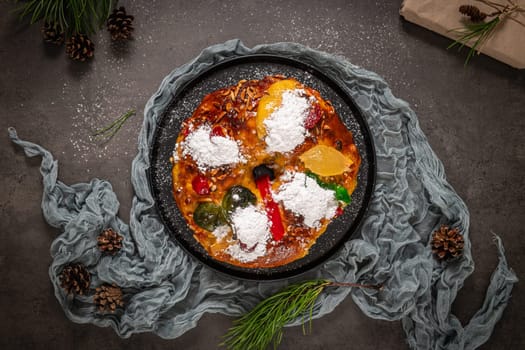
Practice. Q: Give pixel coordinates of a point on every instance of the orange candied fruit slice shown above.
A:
(277, 88)
(325, 161)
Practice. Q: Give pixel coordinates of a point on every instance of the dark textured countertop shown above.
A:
(474, 119)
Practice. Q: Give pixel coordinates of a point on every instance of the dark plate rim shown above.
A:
(335, 84)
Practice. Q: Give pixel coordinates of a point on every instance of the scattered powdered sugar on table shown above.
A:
(252, 228)
(94, 100)
(303, 196)
(285, 126)
(211, 151)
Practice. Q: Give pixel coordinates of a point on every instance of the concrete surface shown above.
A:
(474, 118)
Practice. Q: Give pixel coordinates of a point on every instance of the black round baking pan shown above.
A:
(229, 72)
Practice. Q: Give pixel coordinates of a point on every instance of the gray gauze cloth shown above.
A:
(167, 292)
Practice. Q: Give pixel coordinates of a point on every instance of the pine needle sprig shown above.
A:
(476, 31)
(107, 132)
(258, 328)
(479, 32)
(72, 16)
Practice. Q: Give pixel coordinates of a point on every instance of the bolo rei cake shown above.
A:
(260, 169)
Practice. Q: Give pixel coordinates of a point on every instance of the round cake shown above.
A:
(260, 169)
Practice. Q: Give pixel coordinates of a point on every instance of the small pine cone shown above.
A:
(52, 34)
(75, 278)
(120, 24)
(108, 297)
(109, 241)
(473, 12)
(447, 243)
(80, 48)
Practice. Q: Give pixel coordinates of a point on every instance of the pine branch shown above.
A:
(106, 133)
(479, 32)
(264, 324)
(73, 16)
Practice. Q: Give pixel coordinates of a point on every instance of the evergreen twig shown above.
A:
(479, 33)
(72, 16)
(262, 325)
(107, 132)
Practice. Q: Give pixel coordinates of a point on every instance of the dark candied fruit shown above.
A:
(237, 197)
(208, 216)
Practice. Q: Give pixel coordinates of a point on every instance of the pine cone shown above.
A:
(75, 278)
(447, 243)
(109, 241)
(108, 297)
(79, 47)
(473, 12)
(120, 24)
(52, 34)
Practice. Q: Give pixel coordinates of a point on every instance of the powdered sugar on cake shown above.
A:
(304, 197)
(221, 232)
(251, 227)
(211, 151)
(285, 126)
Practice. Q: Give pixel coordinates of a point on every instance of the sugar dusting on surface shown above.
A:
(252, 228)
(94, 100)
(210, 151)
(285, 126)
(119, 78)
(304, 197)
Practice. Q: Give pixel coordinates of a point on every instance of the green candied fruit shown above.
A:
(237, 197)
(208, 216)
(341, 194)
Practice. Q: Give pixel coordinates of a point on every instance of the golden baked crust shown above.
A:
(232, 112)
